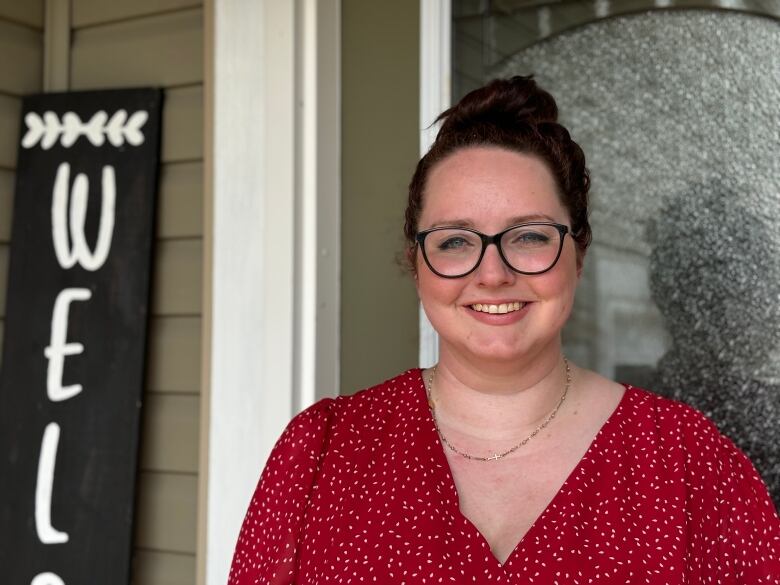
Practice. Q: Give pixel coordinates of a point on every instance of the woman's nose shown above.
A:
(492, 270)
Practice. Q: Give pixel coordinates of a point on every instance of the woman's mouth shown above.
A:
(498, 309)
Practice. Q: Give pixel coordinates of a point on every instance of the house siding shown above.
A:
(21, 35)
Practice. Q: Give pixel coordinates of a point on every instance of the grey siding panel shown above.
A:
(6, 204)
(174, 355)
(160, 568)
(29, 12)
(180, 207)
(20, 72)
(10, 109)
(21, 67)
(177, 281)
(170, 433)
(161, 50)
(182, 138)
(166, 519)
(92, 12)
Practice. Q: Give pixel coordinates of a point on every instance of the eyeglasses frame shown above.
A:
(494, 239)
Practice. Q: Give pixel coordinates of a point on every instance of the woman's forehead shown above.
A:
(489, 184)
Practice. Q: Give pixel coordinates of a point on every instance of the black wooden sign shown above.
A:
(75, 335)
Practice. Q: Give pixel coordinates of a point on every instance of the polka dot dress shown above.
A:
(358, 490)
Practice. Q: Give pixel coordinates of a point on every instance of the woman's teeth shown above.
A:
(502, 308)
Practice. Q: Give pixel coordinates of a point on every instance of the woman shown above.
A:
(505, 462)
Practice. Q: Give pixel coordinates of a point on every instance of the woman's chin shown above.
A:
(495, 352)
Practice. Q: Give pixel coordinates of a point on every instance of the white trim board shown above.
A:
(435, 97)
(271, 244)
(318, 187)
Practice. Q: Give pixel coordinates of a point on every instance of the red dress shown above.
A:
(358, 490)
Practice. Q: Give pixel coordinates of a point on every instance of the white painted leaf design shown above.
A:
(114, 127)
(35, 130)
(133, 132)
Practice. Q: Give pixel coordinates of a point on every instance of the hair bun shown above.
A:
(503, 103)
(514, 114)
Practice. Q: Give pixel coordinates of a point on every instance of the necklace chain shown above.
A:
(495, 456)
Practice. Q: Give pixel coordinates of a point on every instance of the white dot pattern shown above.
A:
(358, 490)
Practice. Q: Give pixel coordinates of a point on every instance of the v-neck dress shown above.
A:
(358, 490)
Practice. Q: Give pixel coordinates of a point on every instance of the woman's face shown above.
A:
(490, 189)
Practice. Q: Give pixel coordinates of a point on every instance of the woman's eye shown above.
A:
(454, 243)
(530, 239)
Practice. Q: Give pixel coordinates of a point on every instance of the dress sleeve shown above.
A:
(266, 550)
(749, 525)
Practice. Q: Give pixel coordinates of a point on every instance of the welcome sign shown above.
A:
(75, 335)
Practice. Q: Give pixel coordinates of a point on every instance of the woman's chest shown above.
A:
(406, 525)
(503, 499)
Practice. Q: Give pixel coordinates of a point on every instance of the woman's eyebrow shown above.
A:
(532, 217)
(454, 223)
(465, 222)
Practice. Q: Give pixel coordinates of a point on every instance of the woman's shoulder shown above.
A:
(724, 480)
(643, 419)
(675, 426)
(401, 386)
(669, 413)
(398, 394)
(686, 444)
(638, 411)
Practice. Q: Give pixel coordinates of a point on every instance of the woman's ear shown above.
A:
(411, 259)
(580, 262)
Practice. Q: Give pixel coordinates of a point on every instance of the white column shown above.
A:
(435, 90)
(318, 157)
(271, 244)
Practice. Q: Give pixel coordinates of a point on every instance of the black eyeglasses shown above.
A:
(527, 248)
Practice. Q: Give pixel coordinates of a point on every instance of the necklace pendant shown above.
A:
(495, 457)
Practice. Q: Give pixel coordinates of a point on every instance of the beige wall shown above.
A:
(128, 43)
(380, 137)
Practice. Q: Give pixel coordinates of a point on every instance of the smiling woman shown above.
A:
(505, 462)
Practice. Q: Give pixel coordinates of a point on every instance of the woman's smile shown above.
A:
(500, 308)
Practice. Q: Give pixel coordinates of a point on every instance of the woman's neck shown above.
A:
(497, 402)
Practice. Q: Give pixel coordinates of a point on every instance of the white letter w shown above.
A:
(80, 252)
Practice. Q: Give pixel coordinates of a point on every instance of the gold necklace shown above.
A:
(496, 456)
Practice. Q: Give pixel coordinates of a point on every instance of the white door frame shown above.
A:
(271, 244)
(435, 97)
